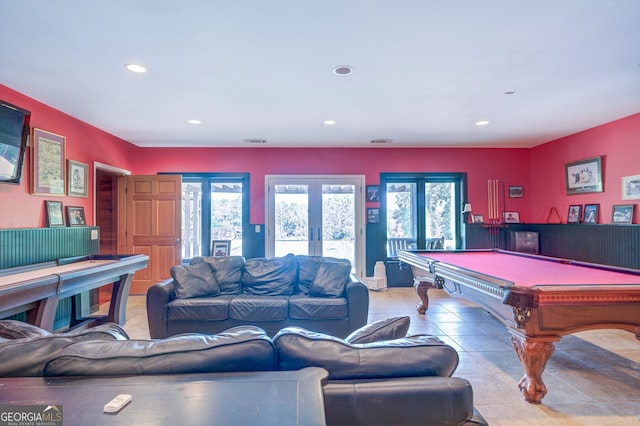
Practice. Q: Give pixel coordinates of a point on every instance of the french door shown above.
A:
(316, 216)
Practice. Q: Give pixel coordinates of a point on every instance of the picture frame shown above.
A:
(591, 213)
(511, 217)
(631, 187)
(584, 176)
(373, 193)
(53, 214)
(622, 213)
(220, 248)
(373, 215)
(574, 215)
(477, 218)
(47, 163)
(78, 176)
(516, 192)
(75, 216)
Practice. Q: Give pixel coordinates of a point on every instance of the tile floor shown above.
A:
(593, 378)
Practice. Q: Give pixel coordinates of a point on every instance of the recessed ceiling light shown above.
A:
(482, 123)
(255, 140)
(136, 68)
(329, 122)
(510, 92)
(342, 70)
(194, 121)
(381, 140)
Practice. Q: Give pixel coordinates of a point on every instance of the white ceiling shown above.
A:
(424, 71)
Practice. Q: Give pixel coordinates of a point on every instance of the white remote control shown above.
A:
(117, 403)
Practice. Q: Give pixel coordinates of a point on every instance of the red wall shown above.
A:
(617, 142)
(539, 170)
(507, 165)
(84, 143)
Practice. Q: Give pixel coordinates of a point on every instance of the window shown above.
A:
(422, 206)
(214, 207)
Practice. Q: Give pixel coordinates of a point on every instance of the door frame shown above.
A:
(360, 200)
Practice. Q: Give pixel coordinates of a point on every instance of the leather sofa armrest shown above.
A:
(358, 300)
(158, 296)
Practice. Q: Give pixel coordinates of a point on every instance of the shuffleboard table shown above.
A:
(538, 298)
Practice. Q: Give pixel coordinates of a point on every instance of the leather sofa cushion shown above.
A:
(227, 270)
(410, 356)
(27, 357)
(385, 329)
(245, 348)
(270, 276)
(331, 278)
(13, 329)
(259, 308)
(314, 308)
(307, 269)
(203, 308)
(194, 281)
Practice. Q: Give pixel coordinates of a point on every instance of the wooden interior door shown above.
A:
(150, 224)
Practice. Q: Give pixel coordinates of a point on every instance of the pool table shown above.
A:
(538, 298)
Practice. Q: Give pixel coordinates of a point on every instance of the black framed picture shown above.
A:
(622, 213)
(584, 176)
(574, 214)
(591, 213)
(516, 192)
(373, 215)
(75, 216)
(54, 216)
(220, 248)
(511, 217)
(373, 193)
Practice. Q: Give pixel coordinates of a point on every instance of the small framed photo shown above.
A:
(54, 216)
(622, 213)
(516, 192)
(631, 187)
(584, 176)
(220, 248)
(591, 212)
(373, 215)
(75, 216)
(77, 175)
(575, 214)
(373, 193)
(477, 218)
(511, 217)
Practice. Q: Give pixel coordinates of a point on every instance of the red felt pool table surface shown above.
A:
(539, 299)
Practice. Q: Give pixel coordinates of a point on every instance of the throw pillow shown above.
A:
(227, 270)
(386, 329)
(331, 278)
(12, 329)
(194, 281)
(270, 276)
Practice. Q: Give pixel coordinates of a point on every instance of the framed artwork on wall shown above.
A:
(631, 187)
(78, 174)
(591, 213)
(584, 176)
(516, 192)
(575, 214)
(373, 215)
(47, 163)
(622, 213)
(373, 193)
(53, 214)
(511, 217)
(75, 216)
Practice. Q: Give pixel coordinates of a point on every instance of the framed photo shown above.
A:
(575, 214)
(516, 192)
(622, 213)
(631, 187)
(373, 215)
(47, 163)
(584, 176)
(77, 174)
(477, 218)
(511, 217)
(373, 193)
(53, 214)
(75, 216)
(591, 213)
(220, 248)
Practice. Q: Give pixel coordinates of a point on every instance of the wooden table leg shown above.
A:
(533, 354)
(422, 285)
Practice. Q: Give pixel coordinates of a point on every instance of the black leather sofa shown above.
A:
(377, 375)
(213, 294)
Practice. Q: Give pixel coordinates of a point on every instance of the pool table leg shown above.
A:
(533, 354)
(422, 285)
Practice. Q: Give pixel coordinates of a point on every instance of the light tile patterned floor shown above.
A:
(593, 378)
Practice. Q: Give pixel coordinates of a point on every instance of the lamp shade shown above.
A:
(466, 208)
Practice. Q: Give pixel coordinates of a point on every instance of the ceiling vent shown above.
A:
(381, 141)
(255, 141)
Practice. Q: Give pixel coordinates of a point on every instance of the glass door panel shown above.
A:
(339, 221)
(440, 212)
(226, 214)
(291, 230)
